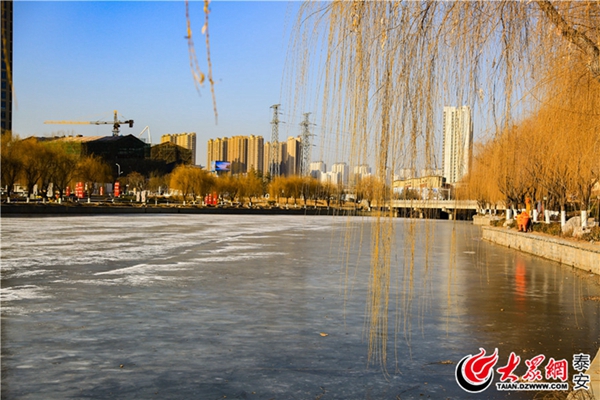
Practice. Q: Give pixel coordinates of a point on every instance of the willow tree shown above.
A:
(191, 180)
(91, 170)
(389, 67)
(478, 185)
(11, 162)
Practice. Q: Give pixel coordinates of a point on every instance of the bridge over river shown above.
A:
(439, 209)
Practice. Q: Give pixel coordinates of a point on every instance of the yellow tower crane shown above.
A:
(116, 123)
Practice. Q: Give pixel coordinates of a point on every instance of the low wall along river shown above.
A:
(585, 256)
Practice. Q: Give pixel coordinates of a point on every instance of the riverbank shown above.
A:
(20, 209)
(585, 256)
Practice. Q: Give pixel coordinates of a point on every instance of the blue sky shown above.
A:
(82, 60)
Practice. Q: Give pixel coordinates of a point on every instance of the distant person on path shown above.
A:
(523, 221)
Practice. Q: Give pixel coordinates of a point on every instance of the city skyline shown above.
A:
(146, 76)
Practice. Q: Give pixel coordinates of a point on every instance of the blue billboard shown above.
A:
(218, 166)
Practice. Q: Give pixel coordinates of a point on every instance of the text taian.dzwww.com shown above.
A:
(532, 386)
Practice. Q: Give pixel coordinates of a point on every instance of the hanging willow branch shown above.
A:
(390, 67)
(197, 73)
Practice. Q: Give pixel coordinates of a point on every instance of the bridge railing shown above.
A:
(440, 204)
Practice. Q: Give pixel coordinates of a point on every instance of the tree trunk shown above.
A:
(508, 211)
(584, 218)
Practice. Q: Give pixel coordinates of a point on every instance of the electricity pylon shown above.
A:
(305, 146)
(274, 156)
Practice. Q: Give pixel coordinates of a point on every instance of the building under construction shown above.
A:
(125, 154)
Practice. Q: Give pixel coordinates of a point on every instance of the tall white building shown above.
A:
(342, 170)
(359, 172)
(331, 177)
(317, 168)
(458, 142)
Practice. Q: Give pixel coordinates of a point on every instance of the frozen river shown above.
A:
(263, 307)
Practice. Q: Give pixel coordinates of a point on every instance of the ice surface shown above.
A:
(208, 306)
(20, 293)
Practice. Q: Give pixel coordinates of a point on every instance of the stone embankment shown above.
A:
(582, 255)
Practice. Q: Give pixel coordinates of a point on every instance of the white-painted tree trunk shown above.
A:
(535, 215)
(508, 214)
(563, 217)
(584, 219)
(547, 216)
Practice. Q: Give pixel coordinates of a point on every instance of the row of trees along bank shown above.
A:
(193, 182)
(552, 155)
(29, 162)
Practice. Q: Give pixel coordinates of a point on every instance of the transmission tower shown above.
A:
(306, 146)
(274, 156)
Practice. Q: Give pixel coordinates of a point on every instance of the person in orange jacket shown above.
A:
(523, 221)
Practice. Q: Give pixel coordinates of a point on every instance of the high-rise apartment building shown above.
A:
(342, 169)
(292, 156)
(359, 172)
(267, 158)
(237, 154)
(7, 56)
(243, 152)
(458, 143)
(185, 140)
(256, 148)
(317, 169)
(252, 152)
(216, 150)
(331, 177)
